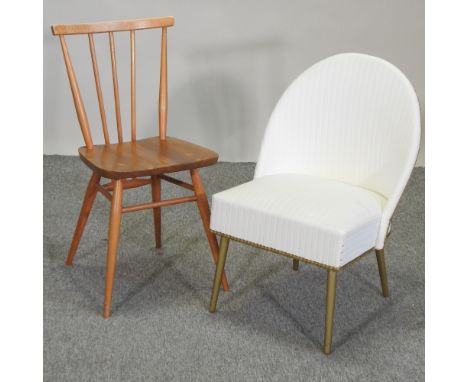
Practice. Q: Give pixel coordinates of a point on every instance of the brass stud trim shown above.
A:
(294, 257)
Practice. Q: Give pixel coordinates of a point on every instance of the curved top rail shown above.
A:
(113, 26)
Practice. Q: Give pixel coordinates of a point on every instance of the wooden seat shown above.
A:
(138, 162)
(145, 157)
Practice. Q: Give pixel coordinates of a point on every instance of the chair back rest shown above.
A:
(351, 117)
(110, 27)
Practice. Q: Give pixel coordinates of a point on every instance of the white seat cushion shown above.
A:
(326, 221)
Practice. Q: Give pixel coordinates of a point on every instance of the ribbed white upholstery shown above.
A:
(322, 220)
(352, 118)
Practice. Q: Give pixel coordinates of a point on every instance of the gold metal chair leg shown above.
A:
(219, 272)
(295, 265)
(330, 307)
(382, 271)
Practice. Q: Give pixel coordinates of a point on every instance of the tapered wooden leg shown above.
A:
(219, 272)
(204, 209)
(295, 265)
(88, 201)
(156, 193)
(330, 307)
(113, 244)
(382, 271)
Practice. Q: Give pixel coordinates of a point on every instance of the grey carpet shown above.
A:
(268, 328)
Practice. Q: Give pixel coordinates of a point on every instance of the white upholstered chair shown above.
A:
(337, 153)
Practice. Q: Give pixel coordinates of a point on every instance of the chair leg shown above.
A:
(330, 307)
(204, 209)
(88, 201)
(156, 193)
(295, 265)
(382, 271)
(113, 244)
(219, 272)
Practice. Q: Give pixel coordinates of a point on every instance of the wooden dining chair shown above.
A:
(336, 156)
(138, 162)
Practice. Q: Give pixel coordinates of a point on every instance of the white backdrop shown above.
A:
(229, 62)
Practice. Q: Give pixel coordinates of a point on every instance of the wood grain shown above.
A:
(113, 244)
(124, 162)
(129, 183)
(77, 100)
(177, 182)
(113, 26)
(146, 157)
(104, 192)
(97, 80)
(115, 81)
(163, 86)
(88, 201)
(161, 203)
(204, 209)
(132, 85)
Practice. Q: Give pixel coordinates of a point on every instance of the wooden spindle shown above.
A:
(97, 79)
(133, 101)
(77, 100)
(116, 87)
(163, 86)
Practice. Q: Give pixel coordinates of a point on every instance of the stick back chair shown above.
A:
(138, 162)
(336, 156)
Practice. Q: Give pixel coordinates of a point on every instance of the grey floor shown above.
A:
(269, 327)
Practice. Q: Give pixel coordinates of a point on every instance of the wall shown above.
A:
(229, 62)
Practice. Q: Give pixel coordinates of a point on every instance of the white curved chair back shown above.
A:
(351, 117)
